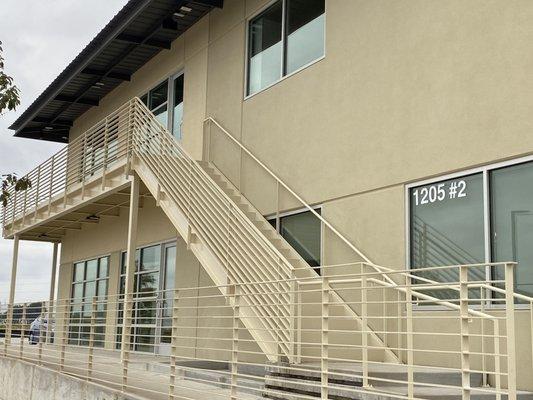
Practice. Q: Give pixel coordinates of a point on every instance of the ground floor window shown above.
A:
(484, 216)
(153, 294)
(89, 282)
(303, 231)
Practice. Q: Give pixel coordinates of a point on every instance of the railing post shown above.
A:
(37, 191)
(83, 165)
(51, 185)
(465, 336)
(207, 141)
(14, 267)
(497, 361)
(65, 335)
(174, 345)
(46, 334)
(8, 326)
(364, 324)
(510, 327)
(324, 359)
(104, 161)
(299, 335)
(409, 341)
(292, 327)
(22, 330)
(90, 357)
(235, 344)
(14, 196)
(24, 207)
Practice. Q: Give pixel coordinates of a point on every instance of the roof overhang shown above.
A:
(140, 30)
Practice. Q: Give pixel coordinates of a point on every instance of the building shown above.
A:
(321, 198)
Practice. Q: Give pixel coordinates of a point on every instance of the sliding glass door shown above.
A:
(152, 306)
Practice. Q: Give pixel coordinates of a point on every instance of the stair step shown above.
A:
(345, 383)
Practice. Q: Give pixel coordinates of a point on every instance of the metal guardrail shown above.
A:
(92, 152)
(197, 340)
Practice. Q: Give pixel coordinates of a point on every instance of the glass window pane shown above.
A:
(102, 271)
(102, 288)
(124, 259)
(177, 111)
(303, 232)
(149, 283)
(170, 267)
(79, 272)
(144, 99)
(447, 227)
(512, 222)
(77, 291)
(151, 258)
(265, 49)
(161, 115)
(158, 95)
(305, 32)
(144, 339)
(92, 269)
(90, 291)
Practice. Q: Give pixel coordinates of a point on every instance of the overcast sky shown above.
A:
(39, 39)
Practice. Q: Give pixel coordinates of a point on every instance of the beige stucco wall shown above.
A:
(406, 91)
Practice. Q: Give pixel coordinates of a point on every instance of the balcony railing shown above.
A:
(72, 167)
(186, 341)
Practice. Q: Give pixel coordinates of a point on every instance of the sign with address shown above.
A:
(439, 192)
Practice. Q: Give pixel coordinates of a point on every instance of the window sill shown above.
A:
(246, 97)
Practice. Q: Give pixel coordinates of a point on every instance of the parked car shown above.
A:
(39, 326)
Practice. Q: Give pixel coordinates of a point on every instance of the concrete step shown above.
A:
(386, 382)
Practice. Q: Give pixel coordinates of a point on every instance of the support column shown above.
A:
(11, 300)
(130, 274)
(51, 297)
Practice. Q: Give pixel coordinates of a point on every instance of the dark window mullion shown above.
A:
(285, 35)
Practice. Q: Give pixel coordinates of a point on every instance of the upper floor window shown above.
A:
(168, 96)
(282, 39)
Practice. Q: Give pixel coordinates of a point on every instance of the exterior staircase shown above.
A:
(232, 240)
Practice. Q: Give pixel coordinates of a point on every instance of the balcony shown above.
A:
(67, 189)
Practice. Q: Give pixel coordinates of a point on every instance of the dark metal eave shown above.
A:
(140, 30)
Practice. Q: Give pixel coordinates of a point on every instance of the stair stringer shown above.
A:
(210, 263)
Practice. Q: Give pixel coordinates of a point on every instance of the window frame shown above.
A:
(485, 170)
(164, 246)
(253, 16)
(170, 99)
(80, 324)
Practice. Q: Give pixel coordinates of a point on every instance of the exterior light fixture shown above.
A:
(176, 16)
(185, 9)
(48, 128)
